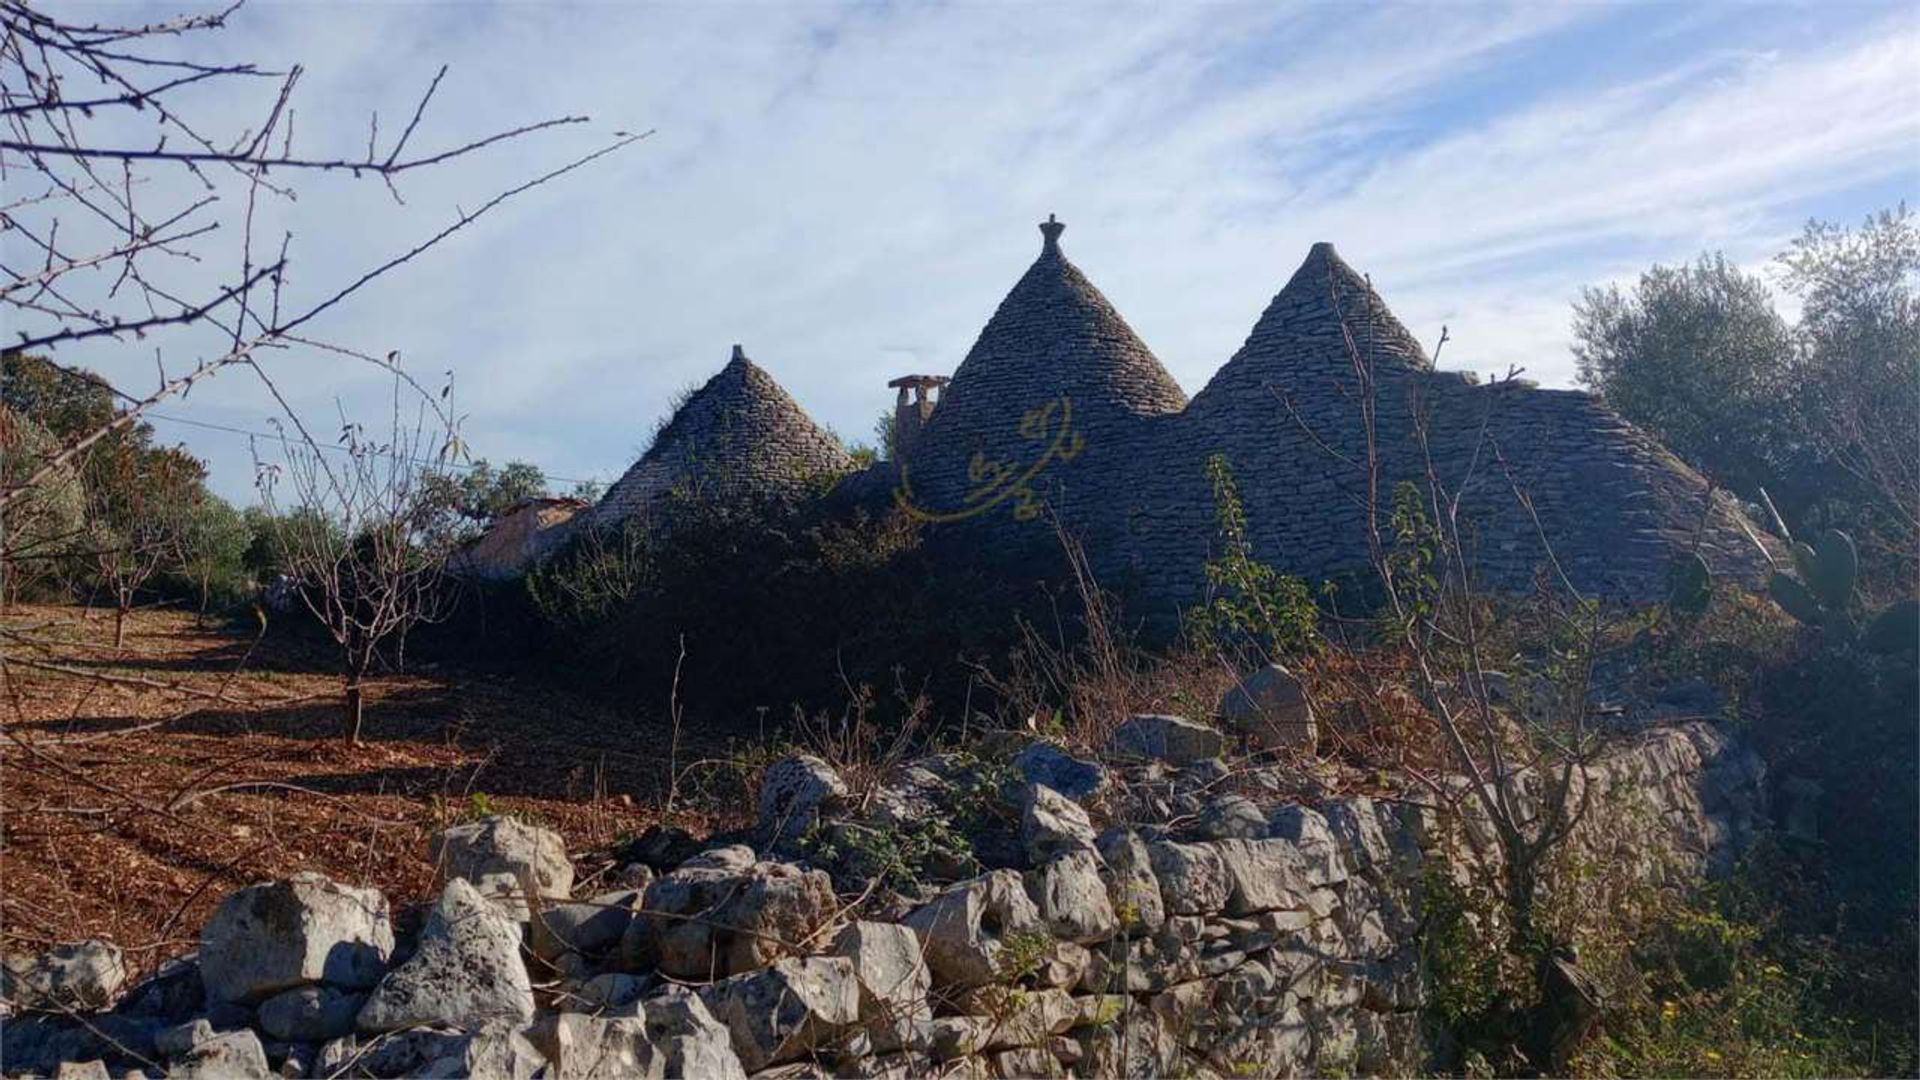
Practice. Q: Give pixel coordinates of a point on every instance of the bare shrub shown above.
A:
(364, 546)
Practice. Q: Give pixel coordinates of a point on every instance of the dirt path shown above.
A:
(129, 805)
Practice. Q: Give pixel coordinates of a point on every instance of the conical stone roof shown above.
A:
(739, 436)
(1302, 335)
(1055, 356)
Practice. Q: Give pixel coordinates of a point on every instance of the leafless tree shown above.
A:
(115, 193)
(362, 542)
(1516, 783)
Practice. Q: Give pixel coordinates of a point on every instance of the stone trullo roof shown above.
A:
(1054, 344)
(740, 435)
(1616, 507)
(1300, 334)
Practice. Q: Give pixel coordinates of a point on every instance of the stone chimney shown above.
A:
(910, 415)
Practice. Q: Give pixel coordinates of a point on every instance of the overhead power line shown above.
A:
(280, 438)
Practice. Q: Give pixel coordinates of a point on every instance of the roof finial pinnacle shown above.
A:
(1051, 230)
(739, 353)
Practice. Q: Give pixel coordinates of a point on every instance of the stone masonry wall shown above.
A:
(1286, 412)
(1237, 937)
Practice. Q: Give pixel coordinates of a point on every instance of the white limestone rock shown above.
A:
(795, 793)
(466, 970)
(82, 976)
(1270, 708)
(277, 935)
(235, 1055)
(517, 865)
(1132, 888)
(787, 1010)
(1051, 823)
(967, 928)
(1072, 898)
(894, 977)
(721, 913)
(1172, 739)
(1193, 878)
(694, 1043)
(1264, 875)
(581, 1047)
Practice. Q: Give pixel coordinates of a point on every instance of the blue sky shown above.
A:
(848, 190)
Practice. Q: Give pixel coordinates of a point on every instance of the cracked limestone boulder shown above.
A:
(694, 1043)
(82, 976)
(235, 1055)
(515, 864)
(1193, 878)
(722, 913)
(1270, 708)
(499, 1050)
(1020, 1017)
(310, 1013)
(1226, 817)
(788, 1010)
(1072, 898)
(1049, 766)
(589, 927)
(1312, 837)
(1051, 823)
(1266, 875)
(466, 970)
(795, 793)
(1132, 888)
(277, 935)
(980, 929)
(894, 978)
(582, 1047)
(1172, 739)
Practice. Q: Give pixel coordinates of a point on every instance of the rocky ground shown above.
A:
(142, 784)
(1179, 903)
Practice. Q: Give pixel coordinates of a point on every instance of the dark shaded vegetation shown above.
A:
(778, 606)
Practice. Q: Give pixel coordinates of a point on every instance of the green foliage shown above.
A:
(1697, 356)
(270, 536)
(1458, 947)
(1022, 955)
(1748, 977)
(595, 578)
(901, 858)
(467, 501)
(211, 541)
(46, 525)
(68, 402)
(1250, 604)
(1690, 586)
(1821, 414)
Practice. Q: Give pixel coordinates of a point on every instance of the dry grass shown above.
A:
(113, 828)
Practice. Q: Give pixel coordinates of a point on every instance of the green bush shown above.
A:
(1250, 606)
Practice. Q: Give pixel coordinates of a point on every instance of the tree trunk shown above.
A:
(355, 705)
(119, 625)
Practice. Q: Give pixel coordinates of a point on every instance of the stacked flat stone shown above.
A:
(1285, 412)
(1054, 340)
(741, 436)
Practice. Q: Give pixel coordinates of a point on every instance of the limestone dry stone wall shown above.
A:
(1135, 916)
(1287, 413)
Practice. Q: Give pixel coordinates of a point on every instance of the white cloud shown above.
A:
(850, 190)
